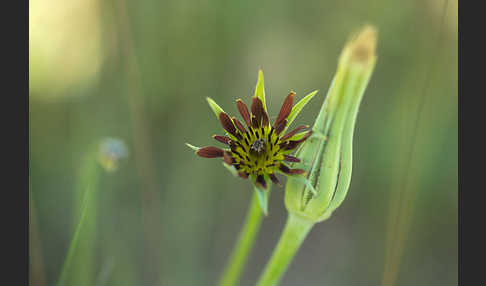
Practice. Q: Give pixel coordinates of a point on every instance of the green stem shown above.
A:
(75, 240)
(246, 239)
(79, 259)
(294, 233)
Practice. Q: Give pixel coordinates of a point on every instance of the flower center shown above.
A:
(258, 146)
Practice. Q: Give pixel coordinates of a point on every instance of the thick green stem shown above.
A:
(237, 261)
(294, 233)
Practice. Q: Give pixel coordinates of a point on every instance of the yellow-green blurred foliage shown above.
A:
(139, 71)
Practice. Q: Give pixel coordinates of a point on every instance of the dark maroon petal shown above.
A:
(257, 109)
(297, 171)
(309, 133)
(223, 139)
(227, 158)
(265, 119)
(239, 125)
(289, 158)
(280, 127)
(286, 109)
(293, 144)
(274, 180)
(254, 121)
(243, 175)
(243, 111)
(293, 132)
(284, 169)
(260, 180)
(210, 152)
(227, 123)
(289, 171)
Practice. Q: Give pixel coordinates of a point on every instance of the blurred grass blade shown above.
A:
(37, 274)
(75, 240)
(79, 266)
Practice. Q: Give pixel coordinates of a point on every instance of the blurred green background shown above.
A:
(139, 71)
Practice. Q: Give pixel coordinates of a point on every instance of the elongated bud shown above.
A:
(327, 154)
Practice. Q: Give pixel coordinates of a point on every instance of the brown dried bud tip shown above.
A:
(361, 49)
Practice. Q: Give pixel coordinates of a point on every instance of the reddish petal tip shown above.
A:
(285, 109)
(243, 109)
(223, 139)
(289, 158)
(227, 123)
(210, 152)
(297, 171)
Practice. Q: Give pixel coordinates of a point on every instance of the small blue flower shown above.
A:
(110, 152)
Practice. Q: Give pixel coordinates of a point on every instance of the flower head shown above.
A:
(259, 148)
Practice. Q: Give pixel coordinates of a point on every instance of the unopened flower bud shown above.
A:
(327, 154)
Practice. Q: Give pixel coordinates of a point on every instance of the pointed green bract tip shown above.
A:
(193, 147)
(215, 107)
(260, 89)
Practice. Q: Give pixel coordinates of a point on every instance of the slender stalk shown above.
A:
(142, 145)
(294, 233)
(401, 204)
(79, 264)
(75, 240)
(246, 239)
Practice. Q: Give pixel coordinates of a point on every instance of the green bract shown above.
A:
(327, 154)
